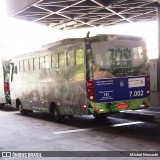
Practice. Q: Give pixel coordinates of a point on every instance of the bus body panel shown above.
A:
(114, 60)
(62, 85)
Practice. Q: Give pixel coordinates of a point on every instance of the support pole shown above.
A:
(155, 71)
(158, 61)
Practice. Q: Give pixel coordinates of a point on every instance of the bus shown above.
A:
(97, 76)
(4, 82)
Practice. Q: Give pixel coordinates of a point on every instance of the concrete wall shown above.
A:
(15, 6)
(155, 99)
(155, 94)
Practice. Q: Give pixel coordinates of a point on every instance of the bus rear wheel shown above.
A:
(56, 115)
(22, 111)
(1, 106)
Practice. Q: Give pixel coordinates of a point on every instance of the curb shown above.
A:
(140, 115)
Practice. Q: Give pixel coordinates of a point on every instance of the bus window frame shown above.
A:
(76, 56)
(64, 64)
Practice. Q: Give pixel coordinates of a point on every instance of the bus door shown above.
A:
(2, 94)
(13, 81)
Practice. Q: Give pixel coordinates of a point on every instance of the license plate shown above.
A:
(122, 106)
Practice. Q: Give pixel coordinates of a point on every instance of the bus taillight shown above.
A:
(148, 85)
(90, 90)
(6, 87)
(146, 105)
(89, 83)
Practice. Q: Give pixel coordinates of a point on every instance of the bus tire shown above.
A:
(70, 117)
(1, 106)
(56, 115)
(100, 116)
(22, 111)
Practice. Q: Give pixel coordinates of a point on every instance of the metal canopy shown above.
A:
(72, 14)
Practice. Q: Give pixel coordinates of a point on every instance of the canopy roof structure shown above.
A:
(72, 14)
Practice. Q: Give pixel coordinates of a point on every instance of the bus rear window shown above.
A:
(118, 54)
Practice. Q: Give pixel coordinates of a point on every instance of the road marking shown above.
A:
(88, 129)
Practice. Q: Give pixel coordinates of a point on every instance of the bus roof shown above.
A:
(74, 40)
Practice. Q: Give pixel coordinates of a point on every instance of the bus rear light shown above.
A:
(90, 91)
(96, 110)
(148, 85)
(89, 83)
(83, 106)
(91, 97)
(122, 106)
(146, 105)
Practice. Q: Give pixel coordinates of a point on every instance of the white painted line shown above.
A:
(74, 130)
(125, 124)
(88, 129)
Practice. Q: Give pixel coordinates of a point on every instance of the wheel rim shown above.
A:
(22, 111)
(56, 114)
(1, 106)
(20, 108)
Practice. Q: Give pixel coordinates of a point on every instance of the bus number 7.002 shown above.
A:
(138, 93)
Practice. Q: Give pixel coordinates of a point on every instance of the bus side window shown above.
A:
(35, 63)
(41, 62)
(21, 67)
(79, 68)
(46, 62)
(15, 69)
(30, 61)
(70, 58)
(26, 65)
(62, 59)
(11, 71)
(79, 56)
(54, 60)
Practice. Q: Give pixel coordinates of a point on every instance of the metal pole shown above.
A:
(158, 62)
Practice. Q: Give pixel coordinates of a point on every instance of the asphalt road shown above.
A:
(38, 132)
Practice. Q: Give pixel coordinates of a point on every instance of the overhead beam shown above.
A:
(16, 6)
(115, 13)
(121, 13)
(81, 13)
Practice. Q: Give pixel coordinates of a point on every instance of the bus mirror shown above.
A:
(15, 69)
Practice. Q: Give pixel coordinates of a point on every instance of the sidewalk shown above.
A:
(147, 114)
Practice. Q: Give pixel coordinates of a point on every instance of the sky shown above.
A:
(18, 37)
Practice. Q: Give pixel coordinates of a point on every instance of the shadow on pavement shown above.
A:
(8, 108)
